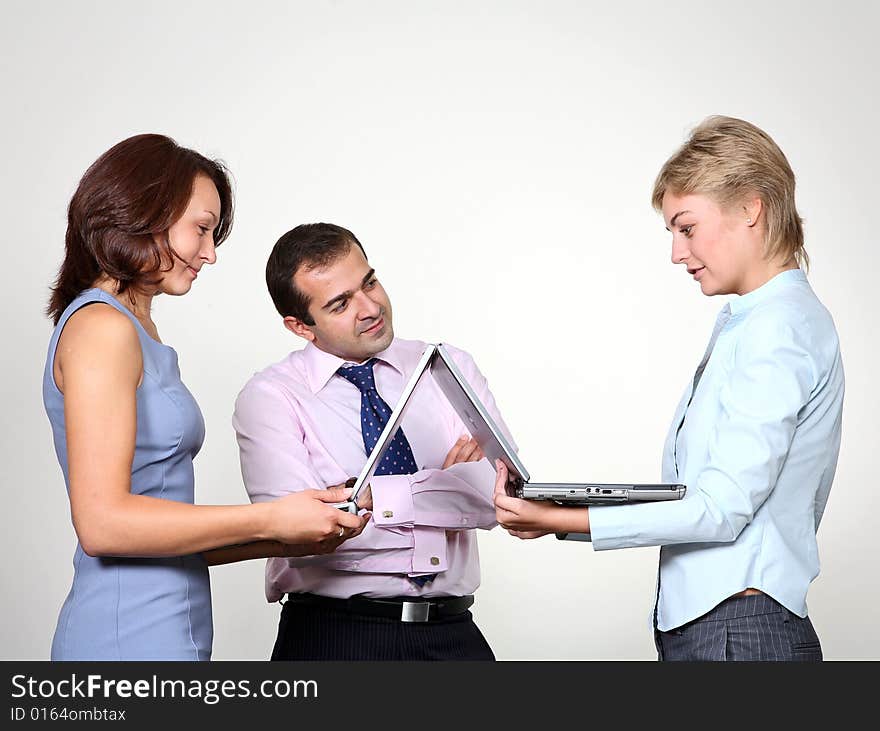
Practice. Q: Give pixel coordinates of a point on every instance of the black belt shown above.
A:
(405, 609)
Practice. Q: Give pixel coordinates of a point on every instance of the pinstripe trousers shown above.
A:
(317, 633)
(754, 627)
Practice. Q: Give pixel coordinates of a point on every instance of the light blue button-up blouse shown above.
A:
(755, 439)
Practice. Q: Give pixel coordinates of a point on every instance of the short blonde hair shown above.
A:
(730, 160)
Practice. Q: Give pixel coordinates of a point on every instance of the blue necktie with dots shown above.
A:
(398, 458)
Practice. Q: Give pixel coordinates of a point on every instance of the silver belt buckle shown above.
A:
(415, 611)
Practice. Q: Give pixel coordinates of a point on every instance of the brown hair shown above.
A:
(729, 160)
(132, 193)
(308, 245)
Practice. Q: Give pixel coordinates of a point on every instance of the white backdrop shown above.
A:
(496, 160)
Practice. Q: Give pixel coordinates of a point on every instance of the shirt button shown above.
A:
(387, 514)
(435, 561)
(465, 520)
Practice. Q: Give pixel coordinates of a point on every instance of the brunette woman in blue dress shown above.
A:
(144, 220)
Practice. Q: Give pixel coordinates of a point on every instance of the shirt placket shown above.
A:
(720, 323)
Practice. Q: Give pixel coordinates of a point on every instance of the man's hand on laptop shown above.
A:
(464, 450)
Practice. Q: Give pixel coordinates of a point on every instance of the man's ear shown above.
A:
(298, 327)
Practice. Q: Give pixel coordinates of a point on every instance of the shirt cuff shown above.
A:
(610, 528)
(429, 550)
(392, 500)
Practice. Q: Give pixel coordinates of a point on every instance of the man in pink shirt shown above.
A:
(400, 590)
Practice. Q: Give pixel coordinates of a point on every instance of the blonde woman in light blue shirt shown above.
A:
(757, 433)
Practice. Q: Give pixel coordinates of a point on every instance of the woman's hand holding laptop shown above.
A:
(535, 518)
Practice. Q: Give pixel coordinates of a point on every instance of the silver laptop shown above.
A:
(361, 492)
(496, 446)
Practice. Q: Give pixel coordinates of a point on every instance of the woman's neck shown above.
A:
(137, 302)
(760, 276)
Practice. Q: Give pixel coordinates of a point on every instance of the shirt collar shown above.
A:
(783, 279)
(321, 365)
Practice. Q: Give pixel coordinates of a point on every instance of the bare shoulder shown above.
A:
(99, 337)
(100, 324)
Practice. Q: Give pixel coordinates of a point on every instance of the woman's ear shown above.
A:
(753, 209)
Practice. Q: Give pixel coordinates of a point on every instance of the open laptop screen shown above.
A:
(474, 414)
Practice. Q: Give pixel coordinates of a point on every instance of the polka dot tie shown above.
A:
(398, 458)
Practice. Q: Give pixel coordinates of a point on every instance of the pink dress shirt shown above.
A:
(298, 425)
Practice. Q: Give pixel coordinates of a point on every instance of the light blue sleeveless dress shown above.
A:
(138, 608)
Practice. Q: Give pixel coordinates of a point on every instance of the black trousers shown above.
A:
(318, 633)
(755, 627)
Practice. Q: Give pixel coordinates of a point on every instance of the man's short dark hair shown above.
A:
(309, 245)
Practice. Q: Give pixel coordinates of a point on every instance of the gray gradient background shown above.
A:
(496, 159)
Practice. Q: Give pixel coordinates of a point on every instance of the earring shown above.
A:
(749, 221)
